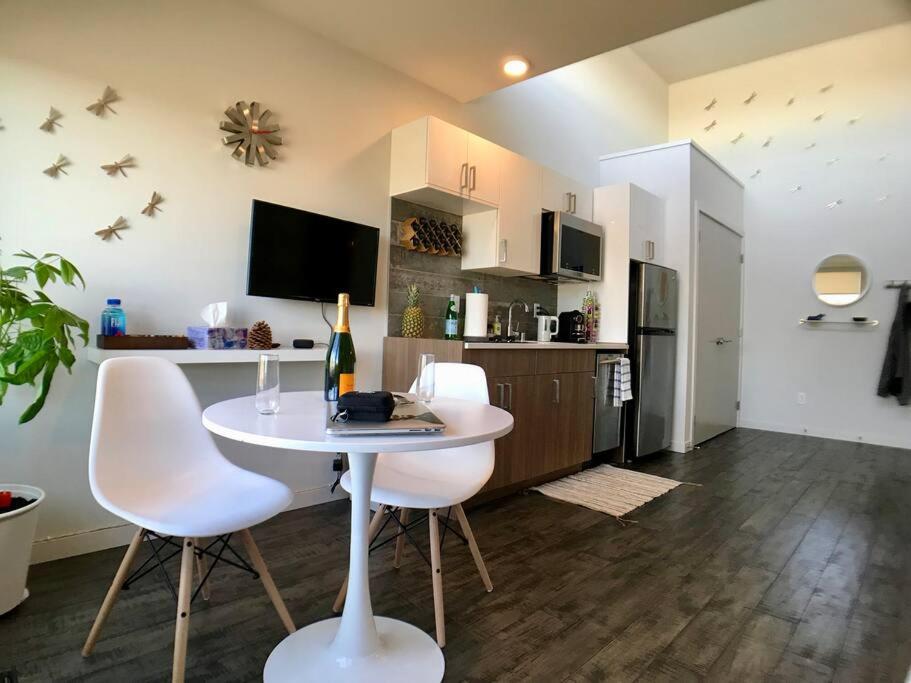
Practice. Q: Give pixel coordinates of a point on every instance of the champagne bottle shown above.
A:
(452, 319)
(340, 357)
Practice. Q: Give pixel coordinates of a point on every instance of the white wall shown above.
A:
(789, 232)
(177, 66)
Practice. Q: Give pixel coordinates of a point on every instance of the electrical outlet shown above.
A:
(801, 398)
(337, 464)
(537, 310)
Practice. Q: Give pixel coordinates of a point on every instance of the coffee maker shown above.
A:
(571, 327)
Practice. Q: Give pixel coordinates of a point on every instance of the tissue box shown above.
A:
(217, 337)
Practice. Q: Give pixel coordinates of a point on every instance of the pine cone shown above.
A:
(259, 336)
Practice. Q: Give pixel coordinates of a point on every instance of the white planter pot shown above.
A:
(17, 531)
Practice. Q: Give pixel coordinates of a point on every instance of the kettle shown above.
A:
(548, 326)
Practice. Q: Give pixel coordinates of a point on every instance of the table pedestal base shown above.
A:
(405, 653)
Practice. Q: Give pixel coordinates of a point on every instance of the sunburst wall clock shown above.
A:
(253, 134)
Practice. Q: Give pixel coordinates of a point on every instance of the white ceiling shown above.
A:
(761, 30)
(457, 46)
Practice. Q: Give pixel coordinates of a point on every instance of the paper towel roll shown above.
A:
(475, 315)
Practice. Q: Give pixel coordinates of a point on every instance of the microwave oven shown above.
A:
(571, 247)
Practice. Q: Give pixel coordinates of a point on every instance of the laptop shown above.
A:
(409, 417)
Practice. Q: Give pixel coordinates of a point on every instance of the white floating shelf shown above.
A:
(868, 323)
(188, 356)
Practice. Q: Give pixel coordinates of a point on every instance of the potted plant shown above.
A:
(36, 337)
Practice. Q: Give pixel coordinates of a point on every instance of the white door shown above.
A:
(717, 373)
(484, 164)
(447, 156)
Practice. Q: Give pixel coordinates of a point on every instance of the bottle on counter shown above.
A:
(451, 325)
(113, 320)
(497, 326)
(340, 357)
(588, 310)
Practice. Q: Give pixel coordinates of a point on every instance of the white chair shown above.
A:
(434, 481)
(152, 463)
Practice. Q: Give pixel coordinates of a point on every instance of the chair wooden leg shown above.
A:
(473, 546)
(202, 566)
(375, 523)
(400, 541)
(122, 573)
(260, 566)
(437, 569)
(184, 593)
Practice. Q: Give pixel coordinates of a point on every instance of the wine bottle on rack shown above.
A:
(340, 358)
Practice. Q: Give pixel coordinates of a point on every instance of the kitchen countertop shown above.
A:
(535, 345)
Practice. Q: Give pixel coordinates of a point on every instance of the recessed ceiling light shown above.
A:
(515, 66)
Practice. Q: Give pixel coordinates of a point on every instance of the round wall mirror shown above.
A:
(841, 280)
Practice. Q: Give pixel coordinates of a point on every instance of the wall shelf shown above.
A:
(194, 356)
(855, 323)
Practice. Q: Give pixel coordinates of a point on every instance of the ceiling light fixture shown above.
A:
(514, 67)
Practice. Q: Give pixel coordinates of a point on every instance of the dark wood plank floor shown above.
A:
(790, 563)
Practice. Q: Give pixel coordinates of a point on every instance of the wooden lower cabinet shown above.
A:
(550, 394)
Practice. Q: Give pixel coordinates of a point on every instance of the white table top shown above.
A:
(301, 425)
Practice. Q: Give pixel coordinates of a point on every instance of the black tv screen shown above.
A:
(297, 254)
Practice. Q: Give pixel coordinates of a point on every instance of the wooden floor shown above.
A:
(790, 563)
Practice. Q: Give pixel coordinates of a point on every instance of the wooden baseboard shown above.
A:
(92, 540)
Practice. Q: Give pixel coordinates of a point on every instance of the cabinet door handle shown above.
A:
(472, 177)
(509, 396)
(463, 176)
(503, 251)
(556, 391)
(574, 203)
(500, 402)
(569, 202)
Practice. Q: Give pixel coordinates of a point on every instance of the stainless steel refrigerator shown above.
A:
(653, 356)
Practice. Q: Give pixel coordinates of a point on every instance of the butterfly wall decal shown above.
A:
(737, 139)
(818, 117)
(711, 104)
(756, 173)
(51, 121)
(796, 188)
(103, 103)
(835, 204)
(710, 126)
(853, 120)
(113, 229)
(827, 88)
(152, 206)
(791, 100)
(57, 167)
(750, 99)
(768, 141)
(810, 146)
(111, 169)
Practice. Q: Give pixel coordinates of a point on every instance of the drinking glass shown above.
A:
(268, 390)
(426, 377)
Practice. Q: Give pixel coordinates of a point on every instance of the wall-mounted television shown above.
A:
(296, 254)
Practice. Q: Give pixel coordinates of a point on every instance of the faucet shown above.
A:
(509, 330)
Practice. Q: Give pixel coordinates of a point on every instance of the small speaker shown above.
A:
(302, 343)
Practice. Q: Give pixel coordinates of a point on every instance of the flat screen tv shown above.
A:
(297, 254)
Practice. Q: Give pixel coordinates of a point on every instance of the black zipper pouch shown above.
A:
(365, 406)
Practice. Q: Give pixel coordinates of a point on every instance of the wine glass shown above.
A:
(268, 389)
(426, 379)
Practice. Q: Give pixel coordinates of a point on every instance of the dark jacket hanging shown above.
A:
(895, 379)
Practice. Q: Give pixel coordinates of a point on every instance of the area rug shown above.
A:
(608, 489)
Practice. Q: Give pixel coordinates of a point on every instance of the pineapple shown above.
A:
(413, 317)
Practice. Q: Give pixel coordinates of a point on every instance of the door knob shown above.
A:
(722, 340)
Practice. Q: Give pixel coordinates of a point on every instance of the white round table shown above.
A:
(357, 646)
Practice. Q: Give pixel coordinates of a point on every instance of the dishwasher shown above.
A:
(608, 430)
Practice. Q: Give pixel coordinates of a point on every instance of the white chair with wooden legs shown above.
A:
(152, 463)
(434, 481)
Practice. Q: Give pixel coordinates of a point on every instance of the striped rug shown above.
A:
(607, 489)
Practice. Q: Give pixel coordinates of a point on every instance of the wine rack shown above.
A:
(431, 237)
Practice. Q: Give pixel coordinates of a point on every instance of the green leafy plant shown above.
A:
(36, 335)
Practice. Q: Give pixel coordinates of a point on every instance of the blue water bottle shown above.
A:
(113, 320)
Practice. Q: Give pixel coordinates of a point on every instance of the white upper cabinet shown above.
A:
(507, 240)
(646, 227)
(559, 193)
(447, 156)
(440, 165)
